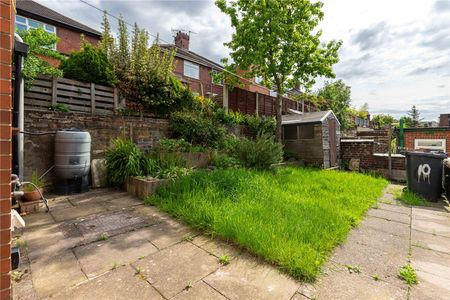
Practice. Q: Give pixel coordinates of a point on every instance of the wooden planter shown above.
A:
(143, 187)
(196, 159)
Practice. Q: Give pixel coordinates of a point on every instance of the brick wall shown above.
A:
(6, 40)
(39, 149)
(358, 149)
(426, 133)
(71, 40)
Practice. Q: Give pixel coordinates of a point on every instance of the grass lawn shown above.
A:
(292, 217)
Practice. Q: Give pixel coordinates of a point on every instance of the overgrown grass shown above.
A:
(411, 198)
(292, 217)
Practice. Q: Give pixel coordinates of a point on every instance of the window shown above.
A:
(430, 144)
(191, 70)
(306, 132)
(215, 81)
(23, 23)
(290, 132)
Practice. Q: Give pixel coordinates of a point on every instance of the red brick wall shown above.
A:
(430, 133)
(6, 36)
(359, 150)
(71, 40)
(443, 120)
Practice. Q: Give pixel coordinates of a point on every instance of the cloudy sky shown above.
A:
(394, 54)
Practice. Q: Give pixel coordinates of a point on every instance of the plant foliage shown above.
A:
(260, 153)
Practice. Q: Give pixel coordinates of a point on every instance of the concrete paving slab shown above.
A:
(38, 219)
(99, 257)
(122, 203)
(395, 208)
(121, 283)
(200, 290)
(298, 296)
(432, 262)
(389, 215)
(167, 233)
(97, 197)
(171, 270)
(390, 227)
(430, 287)
(216, 247)
(371, 261)
(431, 216)
(55, 273)
(57, 204)
(431, 227)
(341, 284)
(151, 213)
(77, 212)
(377, 239)
(430, 241)
(248, 278)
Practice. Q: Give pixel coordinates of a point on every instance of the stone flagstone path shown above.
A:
(106, 244)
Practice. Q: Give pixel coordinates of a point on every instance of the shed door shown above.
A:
(332, 141)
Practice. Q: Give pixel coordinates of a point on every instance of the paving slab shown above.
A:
(430, 287)
(77, 212)
(298, 296)
(167, 233)
(55, 273)
(216, 247)
(171, 270)
(430, 241)
(59, 203)
(432, 262)
(200, 290)
(121, 283)
(99, 257)
(122, 203)
(395, 208)
(431, 216)
(431, 227)
(38, 219)
(371, 261)
(377, 239)
(97, 197)
(151, 213)
(389, 215)
(340, 284)
(390, 227)
(249, 278)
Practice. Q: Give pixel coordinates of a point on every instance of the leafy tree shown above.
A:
(90, 64)
(336, 97)
(277, 40)
(107, 41)
(363, 110)
(40, 45)
(383, 120)
(414, 116)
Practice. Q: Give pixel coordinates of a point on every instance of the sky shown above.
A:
(395, 53)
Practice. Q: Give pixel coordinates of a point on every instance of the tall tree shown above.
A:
(277, 40)
(337, 97)
(107, 40)
(383, 120)
(414, 116)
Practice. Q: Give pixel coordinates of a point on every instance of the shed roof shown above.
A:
(39, 12)
(306, 118)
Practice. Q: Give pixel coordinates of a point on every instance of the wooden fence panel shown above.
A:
(78, 96)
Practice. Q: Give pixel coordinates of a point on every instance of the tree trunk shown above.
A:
(278, 111)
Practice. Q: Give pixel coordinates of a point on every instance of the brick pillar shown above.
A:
(6, 42)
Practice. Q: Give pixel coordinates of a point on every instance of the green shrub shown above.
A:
(260, 125)
(179, 145)
(224, 161)
(260, 153)
(89, 64)
(168, 165)
(196, 127)
(125, 159)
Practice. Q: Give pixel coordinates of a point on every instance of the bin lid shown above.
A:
(427, 154)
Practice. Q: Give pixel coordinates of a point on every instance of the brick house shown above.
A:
(195, 71)
(6, 45)
(32, 15)
(427, 139)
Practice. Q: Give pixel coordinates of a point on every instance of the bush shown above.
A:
(125, 159)
(89, 64)
(260, 153)
(260, 125)
(224, 161)
(197, 127)
(179, 145)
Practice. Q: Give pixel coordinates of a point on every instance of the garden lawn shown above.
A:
(292, 217)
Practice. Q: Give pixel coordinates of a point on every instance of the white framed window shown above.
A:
(191, 70)
(23, 23)
(430, 144)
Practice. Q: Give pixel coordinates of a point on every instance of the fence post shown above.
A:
(116, 99)
(257, 104)
(93, 98)
(54, 90)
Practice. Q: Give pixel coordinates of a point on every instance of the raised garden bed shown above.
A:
(142, 187)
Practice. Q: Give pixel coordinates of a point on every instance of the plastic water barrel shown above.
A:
(72, 153)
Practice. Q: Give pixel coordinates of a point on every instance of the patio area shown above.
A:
(106, 244)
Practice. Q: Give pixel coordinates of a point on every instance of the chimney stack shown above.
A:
(182, 40)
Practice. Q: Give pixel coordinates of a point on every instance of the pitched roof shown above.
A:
(37, 11)
(193, 57)
(306, 118)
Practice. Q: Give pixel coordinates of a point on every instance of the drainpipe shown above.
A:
(20, 51)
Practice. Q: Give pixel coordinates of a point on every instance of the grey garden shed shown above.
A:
(312, 137)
